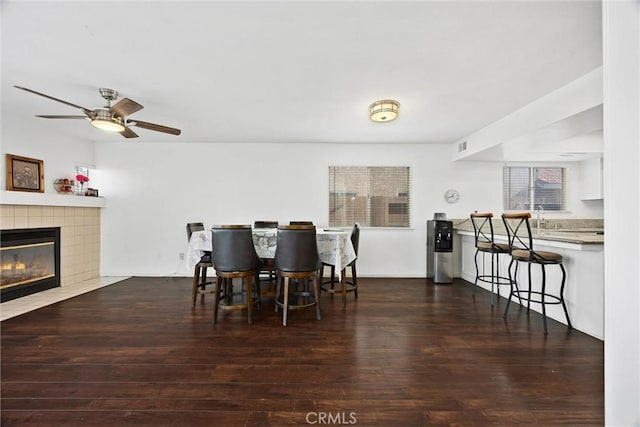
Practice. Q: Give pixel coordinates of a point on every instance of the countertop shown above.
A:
(572, 236)
(582, 233)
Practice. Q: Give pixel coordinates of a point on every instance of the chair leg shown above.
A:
(475, 282)
(256, 282)
(564, 306)
(529, 293)
(497, 255)
(316, 291)
(343, 278)
(511, 283)
(493, 275)
(278, 289)
(333, 275)
(354, 277)
(515, 283)
(285, 304)
(228, 290)
(217, 292)
(194, 289)
(542, 294)
(203, 282)
(249, 280)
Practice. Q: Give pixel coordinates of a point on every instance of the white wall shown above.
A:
(548, 116)
(154, 189)
(59, 153)
(621, 49)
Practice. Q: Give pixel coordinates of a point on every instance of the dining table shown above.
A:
(334, 246)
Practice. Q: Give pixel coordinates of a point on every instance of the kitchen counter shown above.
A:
(572, 236)
(581, 244)
(573, 232)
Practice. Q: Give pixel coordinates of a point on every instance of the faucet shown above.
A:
(539, 219)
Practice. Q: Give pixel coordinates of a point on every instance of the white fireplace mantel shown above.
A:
(49, 199)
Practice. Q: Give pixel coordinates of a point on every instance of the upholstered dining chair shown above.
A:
(200, 270)
(297, 258)
(234, 257)
(347, 285)
(522, 251)
(265, 224)
(267, 273)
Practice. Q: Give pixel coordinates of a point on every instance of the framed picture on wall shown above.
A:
(25, 174)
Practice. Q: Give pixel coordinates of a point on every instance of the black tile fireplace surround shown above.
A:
(30, 261)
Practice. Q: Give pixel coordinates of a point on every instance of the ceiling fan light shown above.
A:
(107, 125)
(105, 121)
(384, 110)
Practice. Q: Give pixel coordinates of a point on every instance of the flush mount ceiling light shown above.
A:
(104, 120)
(384, 110)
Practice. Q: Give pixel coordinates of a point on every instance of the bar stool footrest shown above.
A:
(497, 280)
(299, 300)
(554, 299)
(338, 290)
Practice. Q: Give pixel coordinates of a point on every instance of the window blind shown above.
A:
(373, 196)
(526, 188)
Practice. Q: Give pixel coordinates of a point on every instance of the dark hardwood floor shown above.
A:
(406, 353)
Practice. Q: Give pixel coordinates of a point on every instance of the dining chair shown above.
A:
(265, 224)
(300, 222)
(297, 258)
(200, 270)
(521, 244)
(267, 273)
(234, 257)
(347, 285)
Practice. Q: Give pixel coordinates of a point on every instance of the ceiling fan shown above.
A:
(112, 118)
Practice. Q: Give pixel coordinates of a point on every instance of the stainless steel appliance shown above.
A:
(440, 249)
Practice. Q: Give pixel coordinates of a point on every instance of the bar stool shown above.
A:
(297, 258)
(234, 256)
(485, 244)
(521, 242)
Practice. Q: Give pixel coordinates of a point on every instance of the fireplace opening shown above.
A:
(29, 261)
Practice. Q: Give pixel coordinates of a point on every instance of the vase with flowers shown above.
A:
(82, 179)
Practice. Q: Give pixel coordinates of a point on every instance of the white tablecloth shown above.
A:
(334, 247)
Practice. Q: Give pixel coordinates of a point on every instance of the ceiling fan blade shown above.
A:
(155, 127)
(60, 117)
(126, 106)
(85, 110)
(128, 133)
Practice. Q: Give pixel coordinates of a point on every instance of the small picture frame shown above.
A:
(25, 174)
(91, 192)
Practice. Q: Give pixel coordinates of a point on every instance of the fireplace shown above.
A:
(30, 261)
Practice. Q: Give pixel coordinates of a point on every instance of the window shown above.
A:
(372, 196)
(526, 188)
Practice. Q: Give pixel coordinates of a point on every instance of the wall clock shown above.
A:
(451, 196)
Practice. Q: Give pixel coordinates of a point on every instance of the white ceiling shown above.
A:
(296, 71)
